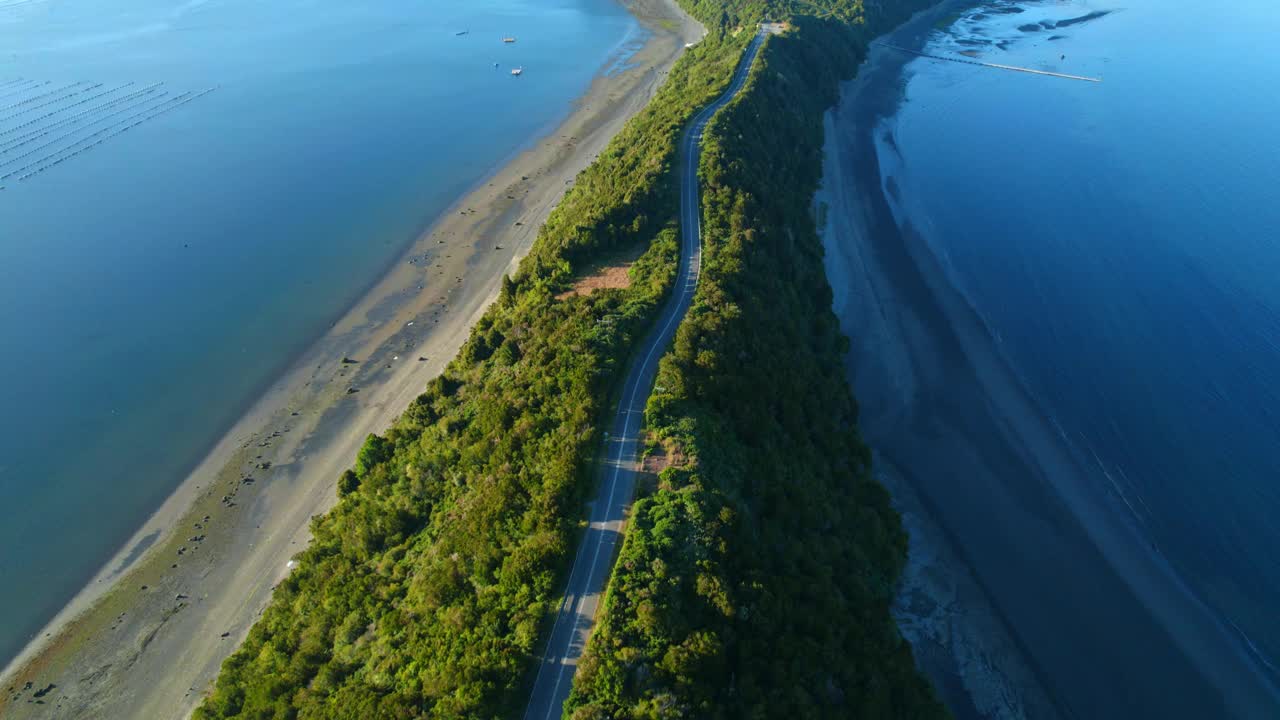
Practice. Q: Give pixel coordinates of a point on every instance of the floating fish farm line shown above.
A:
(33, 98)
(5, 162)
(103, 135)
(55, 101)
(43, 128)
(24, 87)
(8, 85)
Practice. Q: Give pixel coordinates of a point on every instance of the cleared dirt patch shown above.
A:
(611, 271)
(664, 455)
(617, 276)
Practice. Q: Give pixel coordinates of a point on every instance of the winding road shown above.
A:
(594, 561)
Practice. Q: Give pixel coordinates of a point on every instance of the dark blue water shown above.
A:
(150, 286)
(1119, 240)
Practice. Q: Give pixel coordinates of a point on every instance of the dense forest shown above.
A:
(755, 579)
(424, 590)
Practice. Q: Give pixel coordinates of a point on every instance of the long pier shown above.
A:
(997, 66)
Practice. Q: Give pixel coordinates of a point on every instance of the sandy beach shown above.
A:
(1017, 570)
(147, 635)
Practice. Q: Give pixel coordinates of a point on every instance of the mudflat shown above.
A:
(1026, 595)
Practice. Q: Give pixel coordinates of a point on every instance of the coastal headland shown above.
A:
(148, 634)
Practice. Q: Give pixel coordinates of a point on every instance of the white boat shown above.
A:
(517, 71)
(508, 39)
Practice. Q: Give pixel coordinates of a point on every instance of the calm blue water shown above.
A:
(1120, 241)
(149, 286)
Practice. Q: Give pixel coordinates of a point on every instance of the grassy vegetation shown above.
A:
(755, 580)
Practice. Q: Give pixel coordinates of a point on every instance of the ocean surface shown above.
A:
(1118, 240)
(193, 191)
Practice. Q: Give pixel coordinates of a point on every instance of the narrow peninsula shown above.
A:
(754, 572)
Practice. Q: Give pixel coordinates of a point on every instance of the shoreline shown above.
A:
(1061, 571)
(121, 651)
(960, 641)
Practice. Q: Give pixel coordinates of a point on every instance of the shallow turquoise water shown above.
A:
(1118, 240)
(150, 286)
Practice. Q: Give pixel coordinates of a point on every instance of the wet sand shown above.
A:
(146, 637)
(1026, 594)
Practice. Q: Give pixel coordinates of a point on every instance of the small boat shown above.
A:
(517, 71)
(495, 64)
(508, 39)
(462, 32)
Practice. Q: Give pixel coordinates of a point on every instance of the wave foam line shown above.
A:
(997, 66)
(8, 6)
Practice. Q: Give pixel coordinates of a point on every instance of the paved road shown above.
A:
(594, 561)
